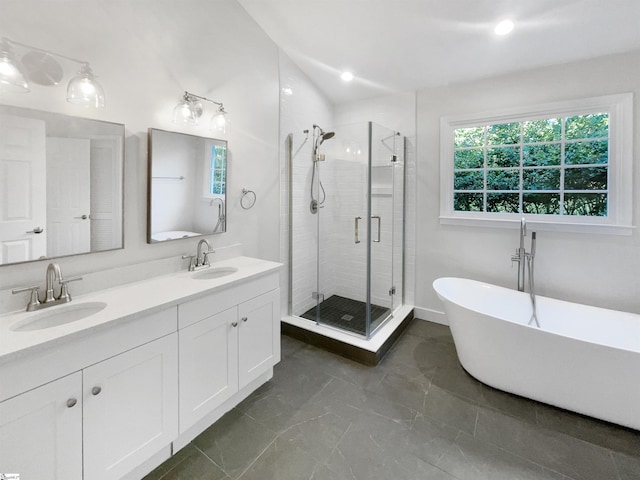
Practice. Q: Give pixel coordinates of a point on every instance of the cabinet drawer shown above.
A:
(73, 354)
(218, 301)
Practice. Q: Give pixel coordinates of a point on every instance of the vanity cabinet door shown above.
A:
(259, 336)
(41, 431)
(130, 408)
(208, 365)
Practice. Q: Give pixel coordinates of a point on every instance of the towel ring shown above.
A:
(251, 202)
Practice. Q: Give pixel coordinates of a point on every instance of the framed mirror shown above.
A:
(187, 186)
(61, 185)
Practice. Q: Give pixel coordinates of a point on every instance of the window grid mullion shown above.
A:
(521, 185)
(486, 168)
(562, 162)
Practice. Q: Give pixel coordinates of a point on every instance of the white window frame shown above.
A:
(206, 177)
(620, 183)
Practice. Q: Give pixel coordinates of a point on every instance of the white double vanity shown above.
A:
(111, 384)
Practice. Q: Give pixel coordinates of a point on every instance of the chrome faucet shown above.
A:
(201, 259)
(532, 288)
(53, 274)
(521, 254)
(526, 260)
(221, 216)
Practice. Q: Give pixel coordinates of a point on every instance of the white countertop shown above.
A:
(124, 303)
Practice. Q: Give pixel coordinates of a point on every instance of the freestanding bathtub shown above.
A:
(584, 359)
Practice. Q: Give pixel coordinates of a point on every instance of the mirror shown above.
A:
(61, 185)
(187, 185)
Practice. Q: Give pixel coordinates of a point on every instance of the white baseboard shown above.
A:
(430, 315)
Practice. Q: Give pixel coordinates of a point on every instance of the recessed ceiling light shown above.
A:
(504, 27)
(346, 76)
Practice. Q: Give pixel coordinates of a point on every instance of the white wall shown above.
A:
(593, 269)
(146, 53)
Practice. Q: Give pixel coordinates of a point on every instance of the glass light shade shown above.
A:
(184, 114)
(12, 78)
(188, 111)
(83, 89)
(220, 121)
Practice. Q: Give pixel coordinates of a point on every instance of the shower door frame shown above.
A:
(369, 332)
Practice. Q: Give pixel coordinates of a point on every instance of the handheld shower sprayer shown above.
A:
(319, 136)
(319, 139)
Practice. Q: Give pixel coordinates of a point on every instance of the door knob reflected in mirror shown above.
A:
(82, 217)
(36, 230)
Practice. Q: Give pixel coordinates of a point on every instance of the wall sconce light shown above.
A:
(12, 77)
(189, 110)
(38, 66)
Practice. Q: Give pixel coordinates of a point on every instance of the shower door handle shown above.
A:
(357, 219)
(379, 224)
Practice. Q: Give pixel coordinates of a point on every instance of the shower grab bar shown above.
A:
(379, 225)
(357, 219)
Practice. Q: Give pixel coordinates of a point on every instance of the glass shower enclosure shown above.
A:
(346, 226)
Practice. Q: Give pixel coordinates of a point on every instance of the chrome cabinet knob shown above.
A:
(244, 319)
(96, 390)
(234, 324)
(71, 402)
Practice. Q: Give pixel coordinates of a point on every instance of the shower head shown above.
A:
(328, 135)
(318, 140)
(325, 136)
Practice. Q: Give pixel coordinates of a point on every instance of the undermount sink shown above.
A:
(214, 272)
(58, 316)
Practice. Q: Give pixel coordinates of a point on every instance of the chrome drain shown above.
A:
(347, 318)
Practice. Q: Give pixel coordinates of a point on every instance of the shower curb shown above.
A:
(343, 349)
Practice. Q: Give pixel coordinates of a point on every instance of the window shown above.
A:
(215, 169)
(565, 164)
(218, 168)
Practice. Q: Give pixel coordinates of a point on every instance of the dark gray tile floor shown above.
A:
(417, 415)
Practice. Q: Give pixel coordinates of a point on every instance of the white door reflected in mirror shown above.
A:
(61, 185)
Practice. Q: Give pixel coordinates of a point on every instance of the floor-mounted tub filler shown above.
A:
(584, 359)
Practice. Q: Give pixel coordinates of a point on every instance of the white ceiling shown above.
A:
(404, 45)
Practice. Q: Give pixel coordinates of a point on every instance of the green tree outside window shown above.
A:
(553, 166)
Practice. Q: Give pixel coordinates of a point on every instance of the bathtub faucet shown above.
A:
(532, 288)
(525, 260)
(521, 255)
